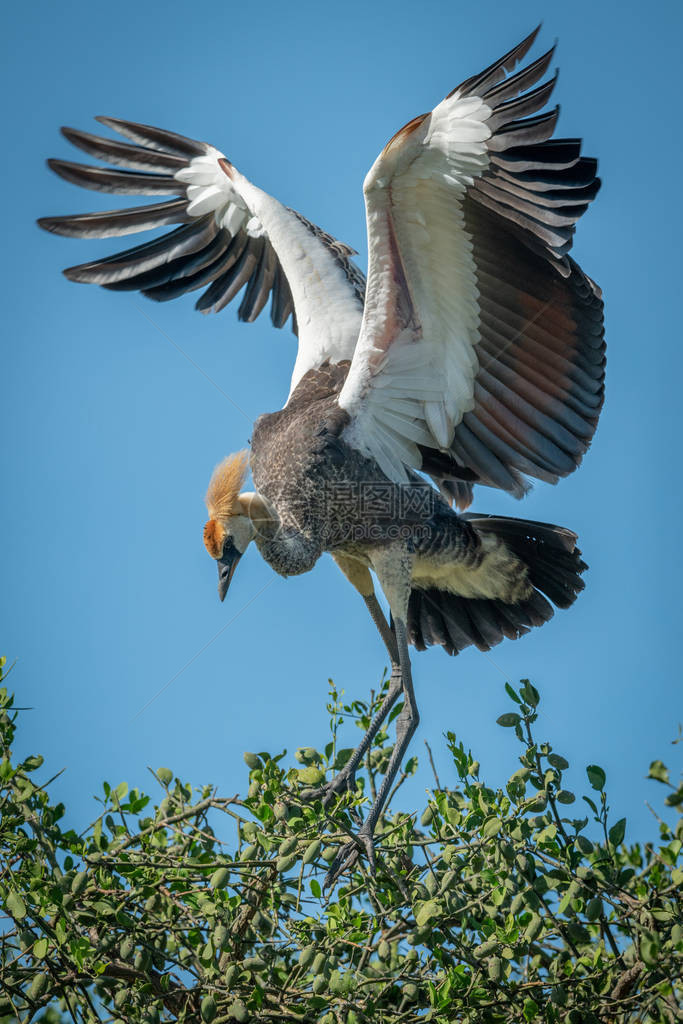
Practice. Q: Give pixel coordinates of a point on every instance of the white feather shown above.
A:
(411, 382)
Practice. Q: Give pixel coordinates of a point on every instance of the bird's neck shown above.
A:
(261, 513)
(286, 550)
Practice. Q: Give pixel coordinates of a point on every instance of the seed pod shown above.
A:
(495, 968)
(287, 845)
(283, 864)
(410, 991)
(447, 881)
(517, 903)
(127, 947)
(238, 1011)
(220, 934)
(427, 817)
(384, 950)
(253, 790)
(432, 883)
(533, 928)
(329, 853)
(336, 984)
(311, 776)
(229, 975)
(251, 760)
(594, 909)
(79, 883)
(208, 1008)
(220, 878)
(306, 754)
(152, 903)
(306, 956)
(38, 986)
(312, 851)
(319, 963)
(280, 810)
(249, 852)
(319, 984)
(142, 960)
(121, 998)
(485, 948)
(525, 865)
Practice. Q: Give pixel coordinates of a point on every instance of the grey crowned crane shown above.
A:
(473, 354)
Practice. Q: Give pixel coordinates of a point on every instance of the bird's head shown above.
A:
(230, 528)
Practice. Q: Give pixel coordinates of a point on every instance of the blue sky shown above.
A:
(114, 409)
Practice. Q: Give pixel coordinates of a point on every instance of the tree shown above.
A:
(492, 906)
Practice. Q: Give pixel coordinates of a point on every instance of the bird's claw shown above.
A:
(343, 782)
(348, 856)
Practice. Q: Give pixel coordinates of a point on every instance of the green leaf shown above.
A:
(16, 906)
(529, 693)
(649, 950)
(530, 1009)
(659, 771)
(675, 799)
(558, 762)
(315, 888)
(511, 693)
(40, 949)
(596, 777)
(617, 832)
(509, 719)
(79, 883)
(565, 796)
(491, 827)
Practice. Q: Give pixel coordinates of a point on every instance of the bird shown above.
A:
(473, 354)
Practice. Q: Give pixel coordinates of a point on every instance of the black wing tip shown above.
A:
(70, 133)
(75, 274)
(52, 224)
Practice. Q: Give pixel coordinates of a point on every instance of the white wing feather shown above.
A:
(412, 375)
(328, 315)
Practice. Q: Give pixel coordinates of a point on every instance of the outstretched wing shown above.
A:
(232, 234)
(481, 352)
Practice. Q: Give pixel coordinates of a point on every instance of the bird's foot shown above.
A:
(348, 856)
(343, 782)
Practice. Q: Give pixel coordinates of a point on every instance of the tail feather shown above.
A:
(554, 563)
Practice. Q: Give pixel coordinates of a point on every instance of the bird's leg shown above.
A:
(394, 568)
(344, 780)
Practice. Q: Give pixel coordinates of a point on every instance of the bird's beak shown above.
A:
(226, 568)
